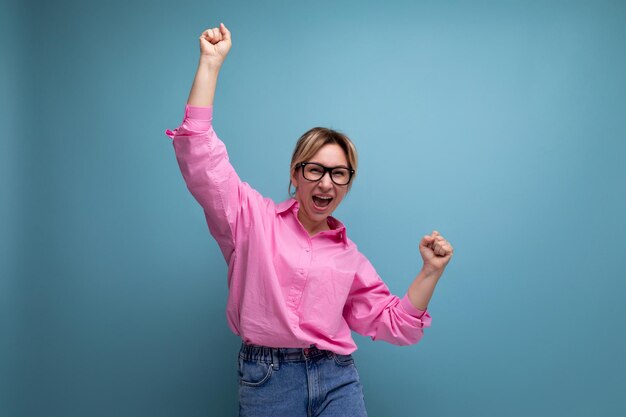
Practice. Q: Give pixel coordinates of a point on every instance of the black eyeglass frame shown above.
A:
(326, 169)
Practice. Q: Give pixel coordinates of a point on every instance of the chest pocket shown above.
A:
(323, 300)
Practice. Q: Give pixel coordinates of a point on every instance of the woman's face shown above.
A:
(318, 199)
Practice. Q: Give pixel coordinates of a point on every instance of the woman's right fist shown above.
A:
(215, 44)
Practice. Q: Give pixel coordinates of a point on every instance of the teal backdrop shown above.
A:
(499, 123)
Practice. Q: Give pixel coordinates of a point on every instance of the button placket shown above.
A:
(299, 278)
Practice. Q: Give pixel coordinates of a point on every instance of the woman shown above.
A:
(297, 284)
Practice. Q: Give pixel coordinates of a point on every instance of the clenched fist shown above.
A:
(436, 252)
(215, 44)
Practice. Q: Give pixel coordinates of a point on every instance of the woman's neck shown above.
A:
(311, 227)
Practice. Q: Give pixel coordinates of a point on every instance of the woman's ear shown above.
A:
(294, 180)
(293, 183)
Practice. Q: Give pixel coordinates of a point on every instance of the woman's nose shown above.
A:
(325, 181)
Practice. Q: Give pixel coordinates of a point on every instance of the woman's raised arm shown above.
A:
(214, 46)
(202, 156)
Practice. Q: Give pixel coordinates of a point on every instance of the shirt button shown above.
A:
(307, 250)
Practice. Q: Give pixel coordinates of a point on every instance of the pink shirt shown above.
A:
(286, 289)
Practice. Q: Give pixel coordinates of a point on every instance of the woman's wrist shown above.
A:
(209, 63)
(430, 274)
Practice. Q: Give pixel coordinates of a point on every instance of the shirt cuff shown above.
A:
(198, 113)
(407, 306)
(197, 121)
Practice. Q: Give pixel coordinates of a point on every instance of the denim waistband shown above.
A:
(277, 355)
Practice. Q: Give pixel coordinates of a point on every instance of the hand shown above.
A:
(436, 252)
(215, 44)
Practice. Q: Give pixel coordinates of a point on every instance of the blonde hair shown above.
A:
(313, 140)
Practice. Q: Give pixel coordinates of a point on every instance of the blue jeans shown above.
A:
(292, 382)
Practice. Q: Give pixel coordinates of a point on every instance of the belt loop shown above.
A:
(275, 359)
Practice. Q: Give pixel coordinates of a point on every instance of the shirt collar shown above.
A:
(286, 205)
(337, 228)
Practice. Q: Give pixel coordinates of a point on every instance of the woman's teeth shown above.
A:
(322, 201)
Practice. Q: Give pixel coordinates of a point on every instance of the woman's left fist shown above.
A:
(436, 252)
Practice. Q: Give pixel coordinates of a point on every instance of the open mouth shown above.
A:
(321, 202)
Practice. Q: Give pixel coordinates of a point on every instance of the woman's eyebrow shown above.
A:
(335, 166)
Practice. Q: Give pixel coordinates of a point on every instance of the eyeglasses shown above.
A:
(315, 172)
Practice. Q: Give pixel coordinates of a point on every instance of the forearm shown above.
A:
(203, 89)
(422, 289)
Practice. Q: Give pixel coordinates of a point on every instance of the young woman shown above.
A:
(297, 284)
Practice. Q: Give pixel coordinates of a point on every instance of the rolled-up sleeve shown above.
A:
(371, 310)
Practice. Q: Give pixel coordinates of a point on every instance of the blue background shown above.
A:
(499, 123)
